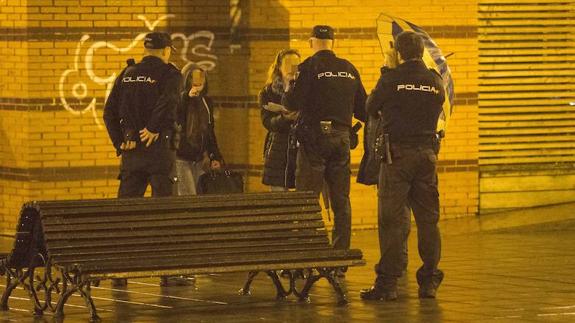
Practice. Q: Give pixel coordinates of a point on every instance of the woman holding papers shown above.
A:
(279, 156)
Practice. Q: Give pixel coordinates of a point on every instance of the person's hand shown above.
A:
(291, 115)
(194, 91)
(215, 165)
(390, 57)
(128, 145)
(148, 137)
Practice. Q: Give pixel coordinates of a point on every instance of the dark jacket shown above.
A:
(145, 95)
(196, 119)
(327, 88)
(276, 154)
(410, 99)
(368, 172)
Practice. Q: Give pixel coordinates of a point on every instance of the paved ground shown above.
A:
(512, 274)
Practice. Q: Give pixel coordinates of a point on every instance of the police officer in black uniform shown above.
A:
(327, 92)
(140, 115)
(409, 100)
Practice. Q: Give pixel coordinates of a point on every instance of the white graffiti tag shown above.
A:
(78, 89)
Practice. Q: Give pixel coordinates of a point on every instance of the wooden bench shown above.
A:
(78, 243)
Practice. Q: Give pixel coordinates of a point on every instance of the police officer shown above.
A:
(140, 114)
(328, 92)
(409, 100)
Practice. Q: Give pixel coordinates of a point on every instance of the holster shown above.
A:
(437, 141)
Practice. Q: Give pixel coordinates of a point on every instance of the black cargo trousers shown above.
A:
(409, 182)
(153, 165)
(327, 158)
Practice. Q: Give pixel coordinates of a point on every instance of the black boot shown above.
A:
(377, 293)
(428, 285)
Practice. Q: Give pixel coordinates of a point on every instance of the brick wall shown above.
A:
(58, 58)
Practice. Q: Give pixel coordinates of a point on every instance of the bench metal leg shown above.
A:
(80, 285)
(327, 273)
(12, 281)
(330, 275)
(282, 294)
(85, 292)
(303, 295)
(246, 289)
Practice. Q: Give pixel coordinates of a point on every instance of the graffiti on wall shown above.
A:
(77, 86)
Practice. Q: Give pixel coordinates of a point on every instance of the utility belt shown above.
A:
(307, 132)
(328, 127)
(384, 146)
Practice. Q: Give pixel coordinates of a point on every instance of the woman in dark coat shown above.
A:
(279, 162)
(198, 151)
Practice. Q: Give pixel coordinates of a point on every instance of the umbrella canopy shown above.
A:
(388, 27)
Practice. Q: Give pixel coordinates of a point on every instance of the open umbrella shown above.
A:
(388, 27)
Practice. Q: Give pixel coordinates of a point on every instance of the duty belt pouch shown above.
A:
(326, 127)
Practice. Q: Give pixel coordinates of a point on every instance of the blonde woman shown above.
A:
(277, 173)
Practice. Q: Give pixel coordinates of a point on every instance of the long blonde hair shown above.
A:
(274, 72)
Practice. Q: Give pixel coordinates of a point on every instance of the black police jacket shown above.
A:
(410, 99)
(144, 95)
(327, 88)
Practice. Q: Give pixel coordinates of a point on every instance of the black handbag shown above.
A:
(220, 182)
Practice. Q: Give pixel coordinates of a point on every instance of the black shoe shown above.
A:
(119, 282)
(378, 293)
(177, 281)
(428, 285)
(427, 291)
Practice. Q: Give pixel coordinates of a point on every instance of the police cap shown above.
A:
(158, 40)
(322, 32)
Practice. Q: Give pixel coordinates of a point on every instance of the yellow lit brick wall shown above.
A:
(57, 57)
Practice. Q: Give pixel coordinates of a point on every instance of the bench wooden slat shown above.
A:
(229, 269)
(161, 224)
(211, 246)
(73, 219)
(158, 263)
(123, 206)
(158, 256)
(126, 232)
(166, 201)
(243, 236)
